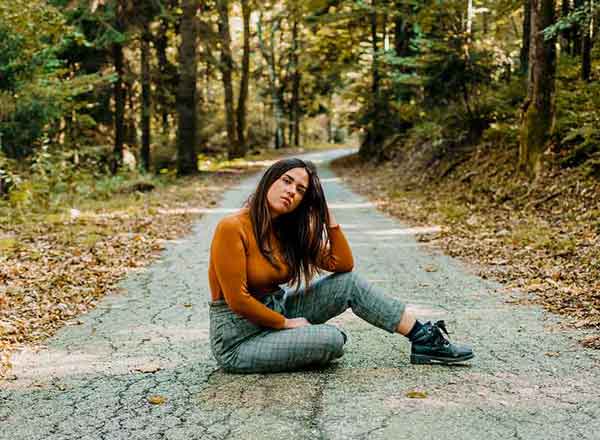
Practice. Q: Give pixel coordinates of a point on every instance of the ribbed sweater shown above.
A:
(241, 275)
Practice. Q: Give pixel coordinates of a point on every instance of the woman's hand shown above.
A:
(296, 323)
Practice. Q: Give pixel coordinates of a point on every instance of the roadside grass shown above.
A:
(541, 238)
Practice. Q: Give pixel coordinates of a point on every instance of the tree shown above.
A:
(526, 38)
(118, 89)
(538, 110)
(373, 141)
(268, 53)
(244, 81)
(296, 79)
(586, 48)
(226, 66)
(186, 93)
(146, 116)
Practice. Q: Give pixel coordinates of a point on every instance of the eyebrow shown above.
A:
(293, 180)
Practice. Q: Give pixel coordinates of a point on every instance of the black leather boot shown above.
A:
(429, 346)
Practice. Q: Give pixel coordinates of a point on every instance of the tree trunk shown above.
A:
(146, 99)
(242, 148)
(119, 95)
(565, 41)
(577, 31)
(525, 44)
(269, 55)
(161, 45)
(131, 139)
(370, 147)
(295, 104)
(538, 116)
(586, 57)
(186, 93)
(586, 49)
(226, 66)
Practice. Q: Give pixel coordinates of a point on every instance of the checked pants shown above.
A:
(240, 346)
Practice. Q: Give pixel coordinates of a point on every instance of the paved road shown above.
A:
(530, 379)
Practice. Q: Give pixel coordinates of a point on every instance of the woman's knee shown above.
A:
(331, 341)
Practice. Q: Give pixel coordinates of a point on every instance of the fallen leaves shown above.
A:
(591, 341)
(157, 400)
(549, 250)
(56, 267)
(416, 395)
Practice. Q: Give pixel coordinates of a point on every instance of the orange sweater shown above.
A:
(241, 275)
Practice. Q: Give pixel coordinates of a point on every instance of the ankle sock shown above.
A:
(414, 330)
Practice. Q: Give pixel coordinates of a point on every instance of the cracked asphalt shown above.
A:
(529, 380)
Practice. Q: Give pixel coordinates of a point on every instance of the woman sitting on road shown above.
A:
(286, 233)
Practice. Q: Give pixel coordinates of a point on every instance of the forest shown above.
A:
(481, 115)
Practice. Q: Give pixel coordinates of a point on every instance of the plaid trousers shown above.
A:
(240, 346)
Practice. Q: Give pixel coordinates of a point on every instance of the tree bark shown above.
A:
(226, 66)
(146, 97)
(577, 31)
(160, 45)
(269, 55)
(565, 41)
(370, 146)
(119, 95)
(526, 39)
(295, 104)
(538, 116)
(186, 93)
(586, 49)
(242, 148)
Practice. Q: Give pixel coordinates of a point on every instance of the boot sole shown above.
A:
(421, 359)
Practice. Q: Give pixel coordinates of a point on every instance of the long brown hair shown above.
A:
(301, 233)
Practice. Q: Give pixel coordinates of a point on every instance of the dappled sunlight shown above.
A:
(351, 205)
(406, 231)
(181, 211)
(144, 344)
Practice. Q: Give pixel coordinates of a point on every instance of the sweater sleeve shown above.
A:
(228, 252)
(338, 256)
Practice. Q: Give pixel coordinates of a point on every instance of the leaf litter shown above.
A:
(508, 228)
(53, 268)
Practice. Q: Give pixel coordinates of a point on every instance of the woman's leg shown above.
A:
(332, 295)
(288, 350)
(240, 346)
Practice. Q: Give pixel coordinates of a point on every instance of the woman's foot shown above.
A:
(429, 346)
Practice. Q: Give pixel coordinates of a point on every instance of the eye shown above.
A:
(286, 179)
(301, 190)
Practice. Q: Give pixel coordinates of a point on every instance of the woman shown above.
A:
(287, 234)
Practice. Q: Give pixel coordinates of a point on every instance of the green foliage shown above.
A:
(580, 16)
(577, 127)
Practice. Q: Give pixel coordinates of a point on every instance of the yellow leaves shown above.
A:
(157, 400)
(416, 394)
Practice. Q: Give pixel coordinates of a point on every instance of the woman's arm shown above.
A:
(338, 256)
(228, 253)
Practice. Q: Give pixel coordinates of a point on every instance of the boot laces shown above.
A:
(439, 328)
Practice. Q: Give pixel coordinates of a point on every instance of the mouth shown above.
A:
(286, 201)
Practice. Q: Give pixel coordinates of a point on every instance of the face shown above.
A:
(286, 193)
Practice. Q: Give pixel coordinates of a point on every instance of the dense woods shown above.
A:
(88, 83)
